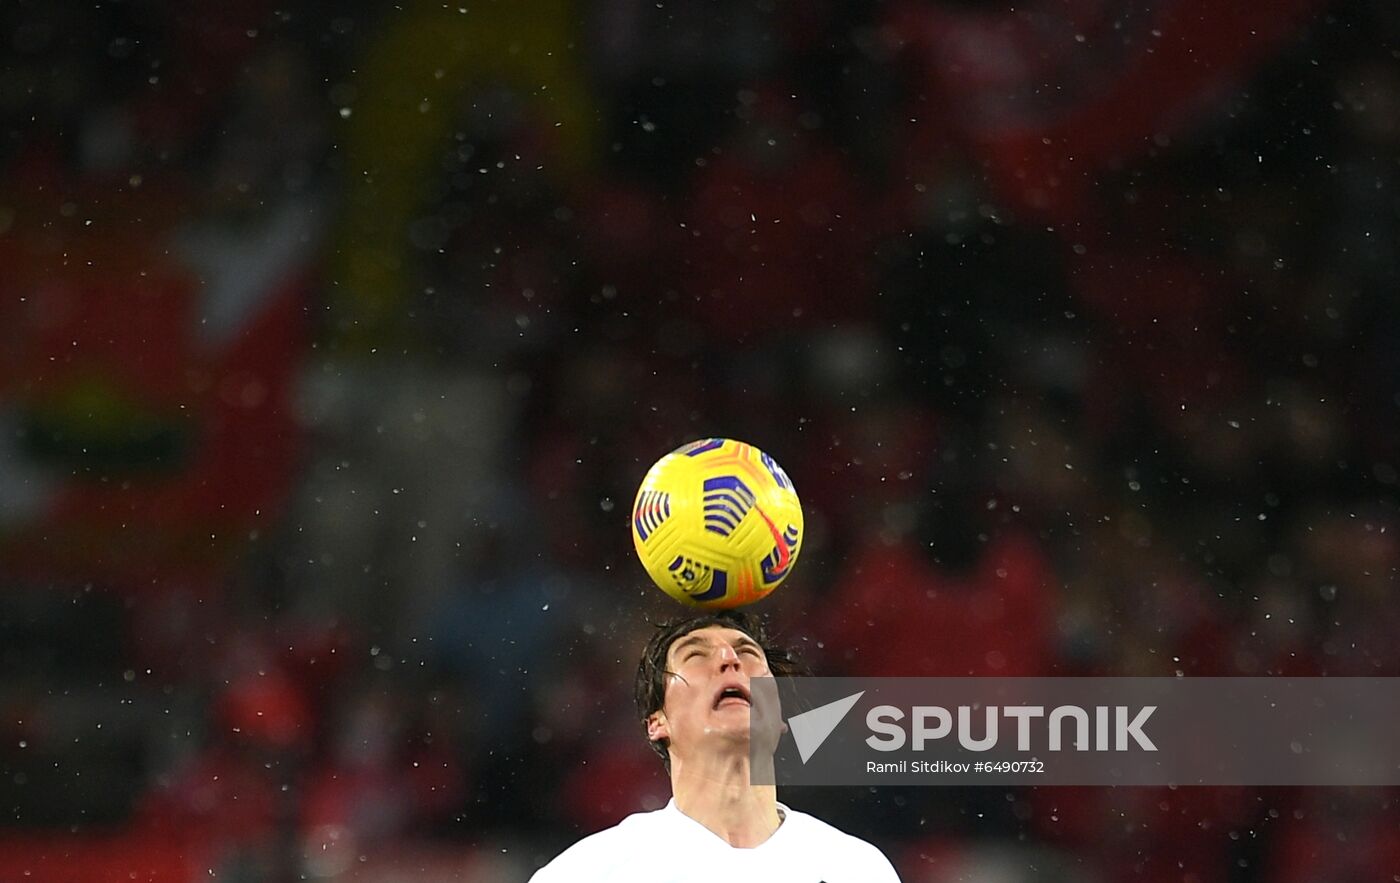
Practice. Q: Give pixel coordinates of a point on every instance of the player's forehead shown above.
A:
(713, 635)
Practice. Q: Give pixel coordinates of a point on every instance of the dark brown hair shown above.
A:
(650, 688)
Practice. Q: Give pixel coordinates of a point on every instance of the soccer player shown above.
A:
(693, 696)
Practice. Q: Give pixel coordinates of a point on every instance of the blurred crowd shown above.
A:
(335, 339)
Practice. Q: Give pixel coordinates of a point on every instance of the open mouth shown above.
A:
(732, 695)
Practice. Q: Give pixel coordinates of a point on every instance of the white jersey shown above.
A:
(667, 846)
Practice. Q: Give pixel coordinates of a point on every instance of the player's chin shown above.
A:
(732, 721)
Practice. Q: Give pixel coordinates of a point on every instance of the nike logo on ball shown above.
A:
(784, 554)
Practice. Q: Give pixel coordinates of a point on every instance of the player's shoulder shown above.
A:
(853, 850)
(598, 854)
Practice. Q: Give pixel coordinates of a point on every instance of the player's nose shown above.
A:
(728, 656)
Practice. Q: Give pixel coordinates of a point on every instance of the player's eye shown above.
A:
(752, 651)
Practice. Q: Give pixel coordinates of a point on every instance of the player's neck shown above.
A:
(715, 791)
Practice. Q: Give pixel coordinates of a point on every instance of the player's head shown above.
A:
(686, 668)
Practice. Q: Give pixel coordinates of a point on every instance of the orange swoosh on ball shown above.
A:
(783, 553)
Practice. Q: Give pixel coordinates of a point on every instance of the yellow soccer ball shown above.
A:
(717, 523)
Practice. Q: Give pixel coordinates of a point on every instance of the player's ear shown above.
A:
(657, 726)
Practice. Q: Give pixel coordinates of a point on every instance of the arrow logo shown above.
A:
(810, 728)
